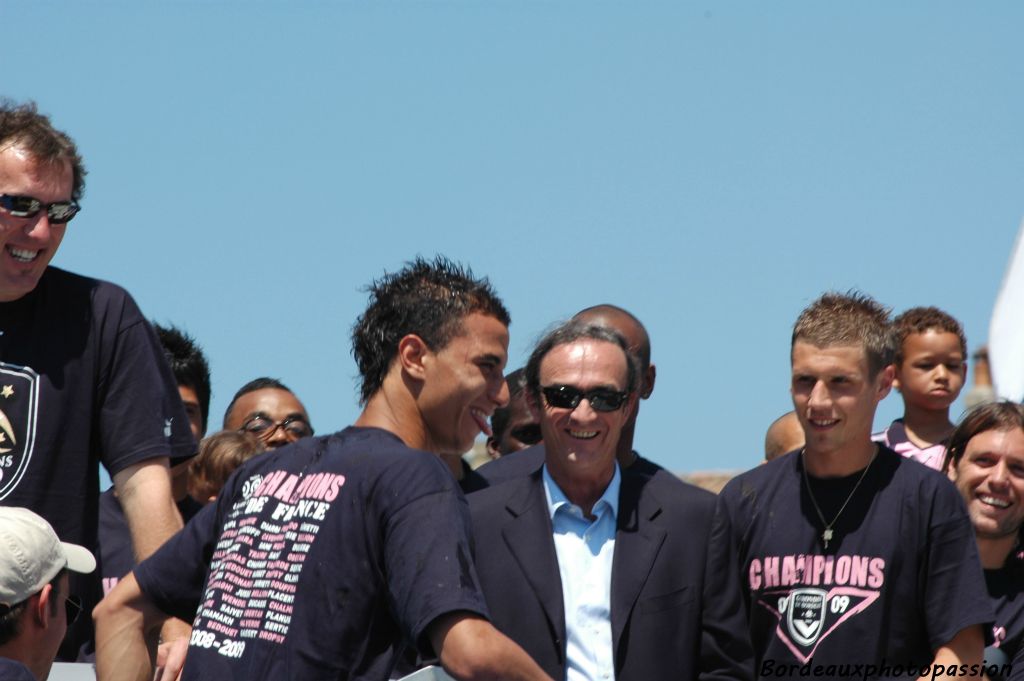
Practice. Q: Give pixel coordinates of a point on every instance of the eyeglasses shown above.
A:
(528, 434)
(73, 608)
(569, 397)
(59, 212)
(263, 427)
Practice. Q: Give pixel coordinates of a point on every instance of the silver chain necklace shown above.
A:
(827, 535)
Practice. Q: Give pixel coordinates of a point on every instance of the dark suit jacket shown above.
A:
(657, 598)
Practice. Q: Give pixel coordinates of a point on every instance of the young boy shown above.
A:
(930, 369)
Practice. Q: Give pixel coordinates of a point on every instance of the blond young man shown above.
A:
(853, 561)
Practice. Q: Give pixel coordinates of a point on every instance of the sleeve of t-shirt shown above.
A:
(427, 549)
(955, 595)
(141, 415)
(726, 651)
(173, 577)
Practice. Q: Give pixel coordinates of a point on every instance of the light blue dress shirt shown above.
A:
(584, 549)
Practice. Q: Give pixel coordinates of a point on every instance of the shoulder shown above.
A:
(513, 496)
(647, 479)
(515, 465)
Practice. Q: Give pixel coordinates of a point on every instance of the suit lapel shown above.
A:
(637, 542)
(528, 536)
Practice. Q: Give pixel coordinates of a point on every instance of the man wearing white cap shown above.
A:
(35, 606)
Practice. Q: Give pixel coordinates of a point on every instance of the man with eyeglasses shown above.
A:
(598, 571)
(266, 408)
(83, 380)
(36, 607)
(323, 559)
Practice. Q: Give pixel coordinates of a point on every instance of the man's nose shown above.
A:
(819, 395)
(500, 393)
(40, 227)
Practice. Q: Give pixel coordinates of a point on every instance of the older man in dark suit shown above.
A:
(598, 571)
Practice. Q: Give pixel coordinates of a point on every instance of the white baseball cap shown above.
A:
(31, 555)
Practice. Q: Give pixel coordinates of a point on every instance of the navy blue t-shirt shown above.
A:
(83, 381)
(324, 556)
(900, 577)
(1006, 588)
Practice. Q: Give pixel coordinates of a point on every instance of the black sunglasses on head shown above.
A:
(528, 434)
(59, 212)
(569, 397)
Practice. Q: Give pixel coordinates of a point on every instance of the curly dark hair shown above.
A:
(23, 126)
(188, 364)
(921, 319)
(425, 298)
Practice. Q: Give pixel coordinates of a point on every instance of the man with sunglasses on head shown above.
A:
(323, 559)
(36, 606)
(598, 571)
(269, 410)
(83, 380)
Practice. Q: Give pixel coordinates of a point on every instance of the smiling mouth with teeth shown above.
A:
(583, 434)
(22, 255)
(992, 501)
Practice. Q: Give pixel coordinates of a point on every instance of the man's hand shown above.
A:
(144, 490)
(170, 654)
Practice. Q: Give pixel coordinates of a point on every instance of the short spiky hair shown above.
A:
(921, 319)
(188, 364)
(1003, 415)
(851, 318)
(23, 126)
(426, 298)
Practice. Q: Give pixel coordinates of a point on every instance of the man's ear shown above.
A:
(39, 606)
(411, 352)
(647, 387)
(885, 380)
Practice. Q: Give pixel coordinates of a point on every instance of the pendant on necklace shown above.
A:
(826, 536)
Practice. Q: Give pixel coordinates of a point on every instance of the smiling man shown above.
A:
(322, 558)
(986, 462)
(847, 553)
(83, 380)
(596, 571)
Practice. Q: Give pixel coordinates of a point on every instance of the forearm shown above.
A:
(470, 648)
(144, 491)
(966, 648)
(125, 634)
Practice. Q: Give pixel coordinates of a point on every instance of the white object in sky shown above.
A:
(1006, 330)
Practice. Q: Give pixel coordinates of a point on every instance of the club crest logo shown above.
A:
(19, 404)
(807, 615)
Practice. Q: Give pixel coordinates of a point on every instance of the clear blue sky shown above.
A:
(712, 167)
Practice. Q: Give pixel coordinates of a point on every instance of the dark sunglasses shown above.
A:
(59, 212)
(73, 608)
(528, 434)
(569, 397)
(261, 426)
